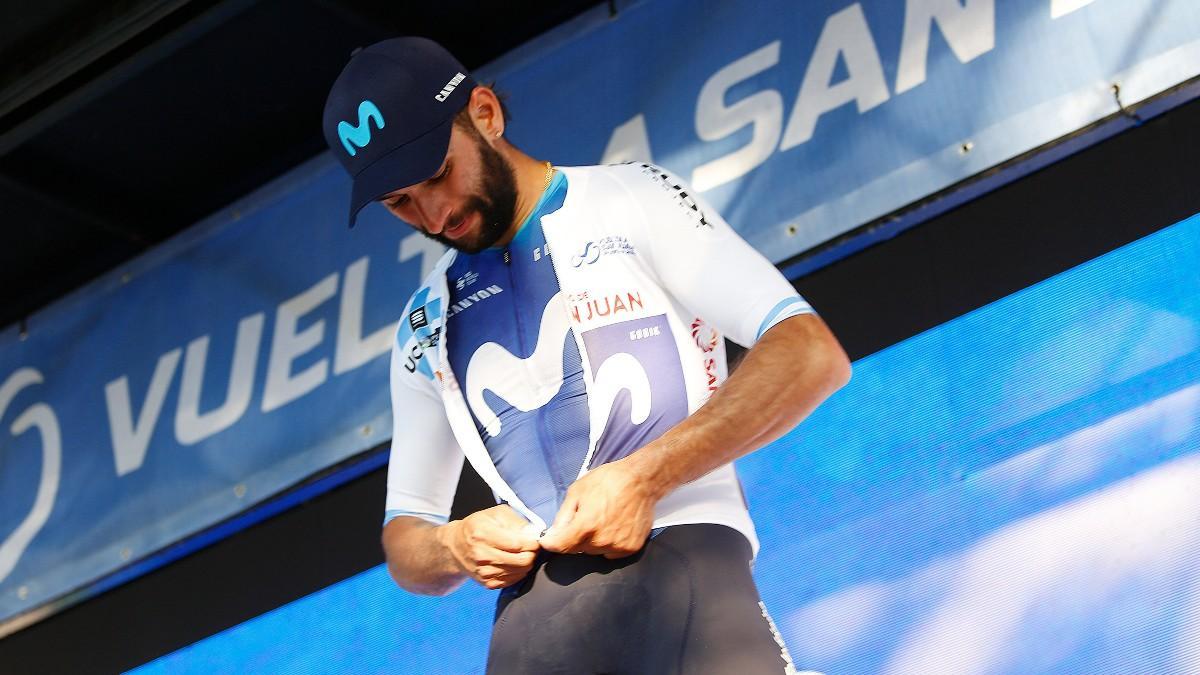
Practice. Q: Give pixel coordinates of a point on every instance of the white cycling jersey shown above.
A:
(599, 327)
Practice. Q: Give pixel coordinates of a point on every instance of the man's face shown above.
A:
(469, 203)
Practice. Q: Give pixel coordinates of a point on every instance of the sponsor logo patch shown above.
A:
(594, 250)
(710, 371)
(417, 352)
(466, 280)
(686, 201)
(643, 333)
(704, 335)
(423, 328)
(450, 87)
(474, 298)
(417, 318)
(352, 135)
(585, 307)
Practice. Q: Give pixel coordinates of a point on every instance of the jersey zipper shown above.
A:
(583, 364)
(556, 478)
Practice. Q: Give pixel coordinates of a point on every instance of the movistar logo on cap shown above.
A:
(360, 134)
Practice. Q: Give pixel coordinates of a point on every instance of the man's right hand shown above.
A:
(495, 547)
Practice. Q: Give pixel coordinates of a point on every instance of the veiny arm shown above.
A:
(493, 546)
(793, 367)
(418, 559)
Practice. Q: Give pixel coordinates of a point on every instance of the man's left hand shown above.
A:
(607, 512)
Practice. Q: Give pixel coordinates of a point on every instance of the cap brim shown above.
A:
(409, 164)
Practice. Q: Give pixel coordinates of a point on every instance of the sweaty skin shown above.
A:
(795, 366)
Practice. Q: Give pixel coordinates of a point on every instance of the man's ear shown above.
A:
(485, 111)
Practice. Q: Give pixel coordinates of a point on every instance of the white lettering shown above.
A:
(715, 120)
(450, 87)
(352, 350)
(417, 244)
(846, 35)
(41, 416)
(129, 440)
(190, 425)
(286, 345)
(969, 29)
(628, 143)
(643, 333)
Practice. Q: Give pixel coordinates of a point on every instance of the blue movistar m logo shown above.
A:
(360, 134)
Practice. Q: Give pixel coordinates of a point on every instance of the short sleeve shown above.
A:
(425, 460)
(704, 263)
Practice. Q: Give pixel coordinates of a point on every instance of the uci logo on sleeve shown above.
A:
(360, 134)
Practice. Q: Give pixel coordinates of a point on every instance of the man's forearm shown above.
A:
(795, 366)
(418, 558)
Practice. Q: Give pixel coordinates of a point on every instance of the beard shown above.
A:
(495, 200)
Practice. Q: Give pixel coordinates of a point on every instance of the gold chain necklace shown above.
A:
(549, 176)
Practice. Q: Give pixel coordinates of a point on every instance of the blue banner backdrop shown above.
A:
(249, 352)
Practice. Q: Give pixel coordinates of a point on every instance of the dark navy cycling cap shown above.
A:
(389, 114)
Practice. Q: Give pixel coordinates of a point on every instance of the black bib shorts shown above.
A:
(686, 603)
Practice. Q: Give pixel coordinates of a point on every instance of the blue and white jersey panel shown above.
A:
(426, 459)
(638, 390)
(511, 345)
(605, 329)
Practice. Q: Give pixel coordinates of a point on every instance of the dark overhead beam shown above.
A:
(70, 215)
(44, 98)
(70, 61)
(365, 20)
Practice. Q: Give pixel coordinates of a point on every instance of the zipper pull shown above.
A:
(507, 257)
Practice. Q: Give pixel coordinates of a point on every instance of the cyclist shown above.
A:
(570, 345)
